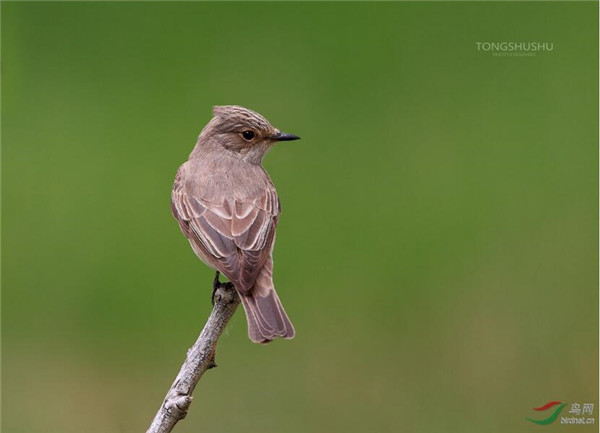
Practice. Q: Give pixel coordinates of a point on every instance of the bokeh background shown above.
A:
(438, 247)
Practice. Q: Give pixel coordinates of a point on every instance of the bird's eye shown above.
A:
(248, 135)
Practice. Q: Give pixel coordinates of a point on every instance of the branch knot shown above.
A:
(178, 405)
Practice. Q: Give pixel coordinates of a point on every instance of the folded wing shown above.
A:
(234, 235)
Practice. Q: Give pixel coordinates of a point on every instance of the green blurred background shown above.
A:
(437, 251)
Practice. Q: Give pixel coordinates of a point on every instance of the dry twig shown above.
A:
(199, 359)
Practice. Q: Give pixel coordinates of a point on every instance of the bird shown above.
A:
(227, 207)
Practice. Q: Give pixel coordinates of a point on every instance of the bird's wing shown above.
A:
(235, 235)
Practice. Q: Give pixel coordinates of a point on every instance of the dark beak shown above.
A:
(282, 136)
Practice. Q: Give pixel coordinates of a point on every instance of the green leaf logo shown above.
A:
(552, 417)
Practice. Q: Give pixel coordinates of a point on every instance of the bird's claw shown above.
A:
(216, 285)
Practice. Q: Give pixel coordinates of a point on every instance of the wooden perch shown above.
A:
(199, 359)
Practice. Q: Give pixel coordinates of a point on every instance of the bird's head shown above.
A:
(245, 133)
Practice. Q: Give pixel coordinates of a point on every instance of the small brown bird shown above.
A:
(227, 207)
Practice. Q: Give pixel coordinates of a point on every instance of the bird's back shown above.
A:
(215, 178)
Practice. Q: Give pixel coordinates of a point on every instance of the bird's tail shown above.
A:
(265, 315)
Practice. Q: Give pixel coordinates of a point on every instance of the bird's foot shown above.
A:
(216, 285)
(227, 287)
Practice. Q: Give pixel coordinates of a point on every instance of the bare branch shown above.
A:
(199, 358)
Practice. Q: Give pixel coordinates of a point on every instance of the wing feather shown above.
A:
(233, 235)
(240, 225)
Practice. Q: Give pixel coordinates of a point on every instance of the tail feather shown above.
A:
(266, 317)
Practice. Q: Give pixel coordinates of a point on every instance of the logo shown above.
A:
(552, 417)
(557, 406)
(514, 49)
